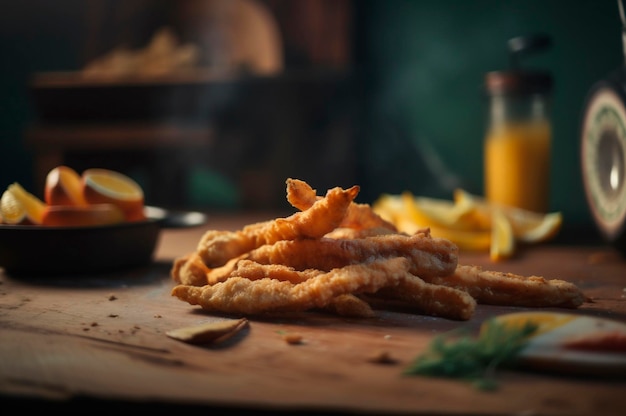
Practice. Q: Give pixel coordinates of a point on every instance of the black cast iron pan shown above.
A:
(39, 250)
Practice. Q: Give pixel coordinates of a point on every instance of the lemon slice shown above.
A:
(545, 321)
(535, 228)
(18, 206)
(474, 240)
(389, 207)
(11, 210)
(528, 226)
(478, 208)
(502, 238)
(448, 213)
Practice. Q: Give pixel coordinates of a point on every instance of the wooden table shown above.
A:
(98, 343)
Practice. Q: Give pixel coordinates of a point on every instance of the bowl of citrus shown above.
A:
(87, 223)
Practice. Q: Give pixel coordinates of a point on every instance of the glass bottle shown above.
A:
(517, 143)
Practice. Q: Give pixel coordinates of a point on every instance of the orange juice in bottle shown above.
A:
(518, 137)
(517, 164)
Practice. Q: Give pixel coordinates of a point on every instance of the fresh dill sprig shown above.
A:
(474, 359)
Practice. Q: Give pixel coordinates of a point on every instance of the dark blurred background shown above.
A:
(384, 94)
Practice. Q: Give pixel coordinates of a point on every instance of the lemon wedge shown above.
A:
(389, 207)
(528, 226)
(19, 206)
(469, 221)
(473, 240)
(502, 239)
(479, 209)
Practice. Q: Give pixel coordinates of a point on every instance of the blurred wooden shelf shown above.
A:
(51, 145)
(50, 138)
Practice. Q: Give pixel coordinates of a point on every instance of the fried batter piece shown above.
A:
(428, 256)
(340, 256)
(190, 270)
(343, 305)
(499, 288)
(359, 216)
(350, 306)
(270, 295)
(217, 247)
(255, 271)
(430, 299)
(351, 233)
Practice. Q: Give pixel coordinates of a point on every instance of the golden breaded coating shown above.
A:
(255, 271)
(428, 255)
(499, 288)
(434, 300)
(217, 247)
(359, 216)
(350, 306)
(190, 270)
(243, 296)
(339, 256)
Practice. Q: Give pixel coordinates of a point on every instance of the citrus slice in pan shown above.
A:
(103, 186)
(82, 216)
(19, 206)
(64, 187)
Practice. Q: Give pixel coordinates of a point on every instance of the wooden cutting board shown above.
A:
(104, 337)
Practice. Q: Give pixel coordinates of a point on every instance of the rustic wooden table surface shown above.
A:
(98, 342)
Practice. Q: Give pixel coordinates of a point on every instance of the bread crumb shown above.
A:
(382, 357)
(293, 339)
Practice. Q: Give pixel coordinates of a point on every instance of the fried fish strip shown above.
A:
(428, 256)
(431, 299)
(217, 247)
(499, 288)
(190, 270)
(300, 194)
(243, 296)
(359, 216)
(350, 233)
(255, 271)
(350, 306)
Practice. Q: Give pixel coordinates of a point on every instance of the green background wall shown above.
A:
(421, 64)
(426, 61)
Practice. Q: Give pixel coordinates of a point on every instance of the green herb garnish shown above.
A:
(458, 355)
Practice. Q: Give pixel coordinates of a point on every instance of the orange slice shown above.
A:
(64, 187)
(103, 186)
(19, 206)
(81, 216)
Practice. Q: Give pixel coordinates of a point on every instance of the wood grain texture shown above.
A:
(104, 337)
